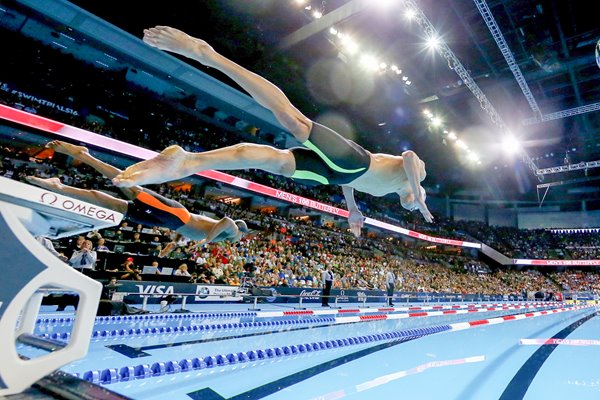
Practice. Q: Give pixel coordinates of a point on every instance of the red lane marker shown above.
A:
(480, 322)
(372, 317)
(307, 312)
(350, 311)
(529, 314)
(450, 312)
(385, 309)
(508, 317)
(419, 314)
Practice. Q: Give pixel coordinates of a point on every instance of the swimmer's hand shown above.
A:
(355, 220)
(176, 41)
(424, 210)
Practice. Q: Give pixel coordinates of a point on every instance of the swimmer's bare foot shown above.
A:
(67, 148)
(176, 41)
(52, 184)
(166, 166)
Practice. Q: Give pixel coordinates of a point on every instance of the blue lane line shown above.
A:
(520, 383)
(137, 352)
(280, 384)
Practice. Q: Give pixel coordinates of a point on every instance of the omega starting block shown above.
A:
(28, 270)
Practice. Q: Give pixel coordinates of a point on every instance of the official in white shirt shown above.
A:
(327, 280)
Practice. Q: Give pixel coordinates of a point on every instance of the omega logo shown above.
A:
(74, 206)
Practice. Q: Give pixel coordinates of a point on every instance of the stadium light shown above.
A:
(511, 145)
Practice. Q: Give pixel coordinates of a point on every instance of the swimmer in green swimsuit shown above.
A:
(328, 158)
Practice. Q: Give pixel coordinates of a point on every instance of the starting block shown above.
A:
(28, 270)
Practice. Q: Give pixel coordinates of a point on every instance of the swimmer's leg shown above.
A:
(264, 92)
(82, 154)
(91, 196)
(176, 163)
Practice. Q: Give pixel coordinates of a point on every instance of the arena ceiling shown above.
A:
(535, 76)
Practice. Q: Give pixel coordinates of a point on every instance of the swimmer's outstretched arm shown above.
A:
(411, 166)
(167, 250)
(264, 92)
(224, 229)
(355, 218)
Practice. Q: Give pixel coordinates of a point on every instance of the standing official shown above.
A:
(327, 280)
(390, 282)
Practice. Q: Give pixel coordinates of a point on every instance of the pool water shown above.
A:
(424, 351)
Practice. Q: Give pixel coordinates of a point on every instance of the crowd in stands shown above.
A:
(577, 281)
(283, 251)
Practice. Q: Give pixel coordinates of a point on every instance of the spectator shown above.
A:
(84, 258)
(182, 271)
(47, 243)
(94, 236)
(101, 246)
(132, 272)
(74, 245)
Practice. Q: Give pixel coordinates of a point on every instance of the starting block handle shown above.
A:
(29, 315)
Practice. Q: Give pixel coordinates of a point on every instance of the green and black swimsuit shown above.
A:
(329, 158)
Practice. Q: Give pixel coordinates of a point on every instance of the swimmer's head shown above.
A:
(422, 173)
(242, 230)
(241, 224)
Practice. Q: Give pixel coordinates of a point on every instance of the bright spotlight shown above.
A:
(317, 14)
(511, 145)
(347, 40)
(410, 14)
(383, 4)
(433, 42)
(473, 157)
(333, 31)
(436, 121)
(369, 62)
(452, 136)
(351, 47)
(461, 144)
